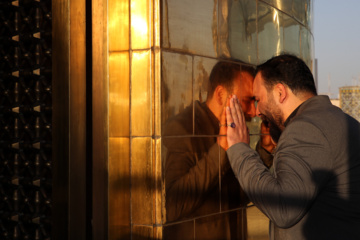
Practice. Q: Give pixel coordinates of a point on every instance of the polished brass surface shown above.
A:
(119, 94)
(140, 232)
(141, 27)
(119, 186)
(176, 83)
(182, 19)
(100, 118)
(139, 83)
(142, 180)
(141, 94)
(119, 26)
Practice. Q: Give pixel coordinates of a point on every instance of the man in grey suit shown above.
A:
(314, 189)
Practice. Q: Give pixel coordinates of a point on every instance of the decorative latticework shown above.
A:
(25, 119)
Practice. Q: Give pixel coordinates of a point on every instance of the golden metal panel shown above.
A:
(291, 35)
(270, 35)
(119, 90)
(257, 224)
(119, 186)
(202, 69)
(100, 118)
(141, 180)
(118, 25)
(157, 91)
(159, 193)
(237, 32)
(156, 23)
(141, 94)
(176, 89)
(307, 48)
(142, 232)
(191, 26)
(141, 24)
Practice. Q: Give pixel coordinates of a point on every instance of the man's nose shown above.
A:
(252, 110)
(257, 110)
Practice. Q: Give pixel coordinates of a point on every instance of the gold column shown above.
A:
(126, 118)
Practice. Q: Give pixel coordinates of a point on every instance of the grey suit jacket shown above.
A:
(314, 192)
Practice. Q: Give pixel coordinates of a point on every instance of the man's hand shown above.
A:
(222, 141)
(234, 114)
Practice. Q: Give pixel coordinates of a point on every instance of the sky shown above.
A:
(337, 44)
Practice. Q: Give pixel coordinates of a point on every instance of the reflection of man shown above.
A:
(193, 163)
(314, 192)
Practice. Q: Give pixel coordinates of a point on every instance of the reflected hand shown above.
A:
(265, 140)
(221, 140)
(234, 114)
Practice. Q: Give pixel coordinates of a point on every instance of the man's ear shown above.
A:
(281, 92)
(220, 95)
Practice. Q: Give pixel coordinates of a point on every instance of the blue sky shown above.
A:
(337, 44)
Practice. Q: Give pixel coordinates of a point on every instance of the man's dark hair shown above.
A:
(223, 73)
(289, 70)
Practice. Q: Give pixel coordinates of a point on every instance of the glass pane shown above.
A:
(237, 30)
(270, 34)
(190, 26)
(176, 83)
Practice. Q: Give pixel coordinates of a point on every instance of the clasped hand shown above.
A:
(236, 132)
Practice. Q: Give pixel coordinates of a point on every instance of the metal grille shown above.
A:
(25, 119)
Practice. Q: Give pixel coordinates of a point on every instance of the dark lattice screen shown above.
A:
(25, 119)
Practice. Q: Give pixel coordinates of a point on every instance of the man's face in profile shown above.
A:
(243, 89)
(267, 109)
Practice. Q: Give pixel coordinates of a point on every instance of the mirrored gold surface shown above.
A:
(202, 69)
(238, 30)
(142, 180)
(291, 35)
(191, 26)
(307, 48)
(119, 187)
(119, 79)
(156, 73)
(176, 88)
(298, 9)
(270, 35)
(156, 23)
(159, 191)
(141, 20)
(118, 25)
(141, 232)
(179, 231)
(141, 94)
(257, 224)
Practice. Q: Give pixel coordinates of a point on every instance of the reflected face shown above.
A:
(243, 89)
(267, 109)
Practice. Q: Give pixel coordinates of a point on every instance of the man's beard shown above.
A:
(272, 118)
